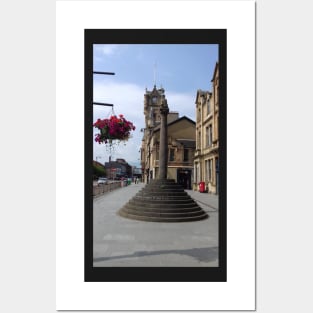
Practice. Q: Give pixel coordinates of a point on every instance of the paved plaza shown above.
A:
(122, 242)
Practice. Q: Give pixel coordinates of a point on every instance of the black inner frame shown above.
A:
(154, 274)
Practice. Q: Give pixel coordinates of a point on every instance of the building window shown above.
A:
(199, 172)
(172, 155)
(208, 136)
(210, 169)
(199, 141)
(208, 107)
(157, 152)
(206, 170)
(186, 153)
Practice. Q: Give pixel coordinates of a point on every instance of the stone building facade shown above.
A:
(206, 161)
(181, 142)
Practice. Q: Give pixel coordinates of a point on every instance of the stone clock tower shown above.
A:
(152, 103)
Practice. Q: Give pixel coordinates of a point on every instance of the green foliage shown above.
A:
(98, 170)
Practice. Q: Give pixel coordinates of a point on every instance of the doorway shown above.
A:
(184, 178)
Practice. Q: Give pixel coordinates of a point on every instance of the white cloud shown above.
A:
(184, 103)
(128, 100)
(106, 49)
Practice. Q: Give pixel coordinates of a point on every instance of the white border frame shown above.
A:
(238, 293)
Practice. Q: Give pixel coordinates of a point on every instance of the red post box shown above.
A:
(202, 186)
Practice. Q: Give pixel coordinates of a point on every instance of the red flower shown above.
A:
(113, 129)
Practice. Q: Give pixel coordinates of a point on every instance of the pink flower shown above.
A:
(114, 128)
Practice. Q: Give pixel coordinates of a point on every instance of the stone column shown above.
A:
(163, 156)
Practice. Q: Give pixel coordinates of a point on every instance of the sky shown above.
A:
(181, 69)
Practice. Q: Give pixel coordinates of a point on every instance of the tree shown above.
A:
(98, 170)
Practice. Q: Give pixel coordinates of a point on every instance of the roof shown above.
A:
(157, 128)
(201, 93)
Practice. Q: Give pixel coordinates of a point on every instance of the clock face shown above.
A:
(154, 99)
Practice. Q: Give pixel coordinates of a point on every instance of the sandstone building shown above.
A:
(206, 161)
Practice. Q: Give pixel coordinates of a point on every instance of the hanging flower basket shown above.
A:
(113, 128)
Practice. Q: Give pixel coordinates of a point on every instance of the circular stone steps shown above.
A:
(163, 201)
